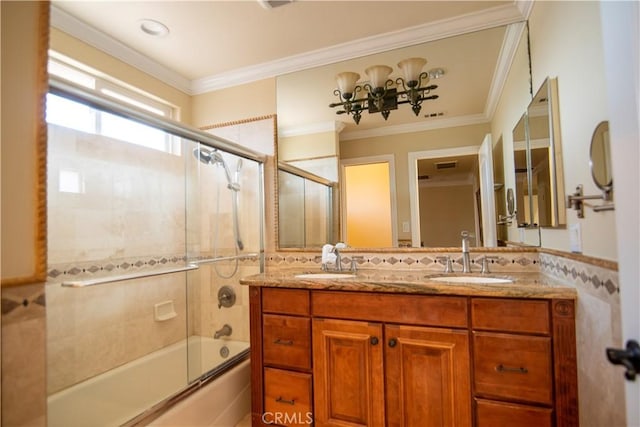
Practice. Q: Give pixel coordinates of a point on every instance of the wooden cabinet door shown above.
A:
(348, 373)
(427, 374)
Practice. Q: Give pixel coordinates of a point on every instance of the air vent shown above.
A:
(446, 165)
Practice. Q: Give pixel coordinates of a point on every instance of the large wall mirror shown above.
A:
(469, 71)
(538, 164)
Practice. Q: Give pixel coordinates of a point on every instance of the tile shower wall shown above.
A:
(117, 208)
(210, 231)
(113, 208)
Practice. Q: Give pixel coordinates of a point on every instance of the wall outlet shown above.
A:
(406, 227)
(575, 238)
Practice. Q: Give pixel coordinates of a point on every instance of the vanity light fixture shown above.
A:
(381, 95)
(153, 28)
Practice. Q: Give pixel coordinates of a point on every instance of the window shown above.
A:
(75, 115)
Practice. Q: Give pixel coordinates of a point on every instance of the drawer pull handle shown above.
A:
(280, 399)
(283, 342)
(520, 370)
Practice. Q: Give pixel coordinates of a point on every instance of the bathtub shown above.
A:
(117, 396)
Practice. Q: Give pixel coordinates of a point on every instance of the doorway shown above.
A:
(369, 208)
(443, 184)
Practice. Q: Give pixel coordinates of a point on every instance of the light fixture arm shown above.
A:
(350, 104)
(414, 92)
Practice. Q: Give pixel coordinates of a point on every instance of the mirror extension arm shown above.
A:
(576, 201)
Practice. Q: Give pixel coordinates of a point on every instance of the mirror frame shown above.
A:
(598, 135)
(549, 90)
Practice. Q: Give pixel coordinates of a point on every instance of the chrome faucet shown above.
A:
(466, 261)
(225, 331)
(331, 255)
(336, 252)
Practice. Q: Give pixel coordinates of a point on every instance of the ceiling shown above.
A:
(217, 44)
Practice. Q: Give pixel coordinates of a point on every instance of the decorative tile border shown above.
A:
(101, 268)
(404, 260)
(89, 269)
(20, 303)
(580, 273)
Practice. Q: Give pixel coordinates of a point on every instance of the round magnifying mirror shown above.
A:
(600, 161)
(511, 203)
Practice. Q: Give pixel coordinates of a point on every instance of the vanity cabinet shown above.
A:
(385, 359)
(524, 362)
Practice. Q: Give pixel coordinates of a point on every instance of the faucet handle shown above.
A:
(485, 263)
(354, 262)
(448, 266)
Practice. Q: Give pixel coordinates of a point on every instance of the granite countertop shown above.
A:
(525, 285)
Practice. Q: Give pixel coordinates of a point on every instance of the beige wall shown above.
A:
(254, 99)
(441, 227)
(310, 146)
(400, 145)
(76, 49)
(571, 49)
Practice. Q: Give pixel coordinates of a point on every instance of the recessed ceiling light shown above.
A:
(153, 28)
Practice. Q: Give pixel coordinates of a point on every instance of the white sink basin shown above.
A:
(325, 276)
(470, 279)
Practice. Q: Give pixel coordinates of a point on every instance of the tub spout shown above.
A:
(225, 331)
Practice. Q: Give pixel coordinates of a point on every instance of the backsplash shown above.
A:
(597, 274)
(506, 261)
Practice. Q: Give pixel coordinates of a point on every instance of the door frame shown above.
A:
(620, 35)
(356, 161)
(414, 198)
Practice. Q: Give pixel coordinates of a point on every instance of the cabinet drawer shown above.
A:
(420, 310)
(287, 396)
(285, 301)
(509, 315)
(492, 414)
(286, 341)
(513, 367)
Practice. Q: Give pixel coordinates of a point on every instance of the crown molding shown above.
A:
(474, 119)
(488, 18)
(507, 53)
(525, 7)
(80, 30)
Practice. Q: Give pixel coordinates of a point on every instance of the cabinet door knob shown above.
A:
(393, 342)
(374, 340)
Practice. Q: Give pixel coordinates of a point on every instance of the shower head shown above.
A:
(203, 154)
(212, 157)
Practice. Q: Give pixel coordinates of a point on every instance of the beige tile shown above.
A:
(245, 422)
(24, 372)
